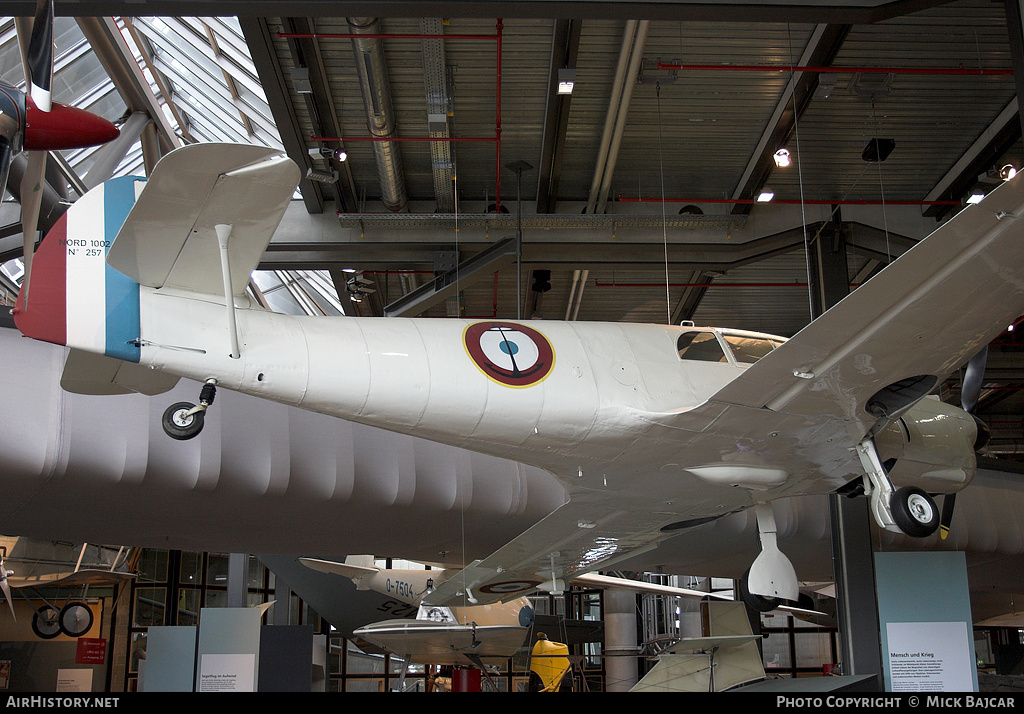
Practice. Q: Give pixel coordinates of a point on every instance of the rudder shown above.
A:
(76, 298)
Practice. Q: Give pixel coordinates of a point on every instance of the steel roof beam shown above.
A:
(840, 11)
(113, 53)
(264, 56)
(708, 257)
(565, 44)
(449, 283)
(821, 50)
(993, 143)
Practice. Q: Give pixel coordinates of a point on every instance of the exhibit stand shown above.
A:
(230, 651)
(925, 622)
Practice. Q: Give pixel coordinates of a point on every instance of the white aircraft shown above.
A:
(650, 428)
(475, 635)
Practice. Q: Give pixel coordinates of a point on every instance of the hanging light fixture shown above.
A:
(566, 80)
(1007, 172)
(782, 158)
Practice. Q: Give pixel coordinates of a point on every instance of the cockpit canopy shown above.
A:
(708, 345)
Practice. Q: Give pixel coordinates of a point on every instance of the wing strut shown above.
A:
(223, 233)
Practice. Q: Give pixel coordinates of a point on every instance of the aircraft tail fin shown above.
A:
(355, 572)
(162, 232)
(77, 299)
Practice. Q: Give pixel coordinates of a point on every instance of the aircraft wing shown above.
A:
(591, 530)
(843, 377)
(893, 339)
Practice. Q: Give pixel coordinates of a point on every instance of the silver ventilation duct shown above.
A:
(373, 80)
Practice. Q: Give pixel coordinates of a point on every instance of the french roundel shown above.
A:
(509, 353)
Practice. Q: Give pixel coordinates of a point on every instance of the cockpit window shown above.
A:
(701, 346)
(748, 350)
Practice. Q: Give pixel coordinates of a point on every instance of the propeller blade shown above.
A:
(948, 502)
(6, 157)
(970, 392)
(974, 374)
(39, 56)
(6, 587)
(31, 199)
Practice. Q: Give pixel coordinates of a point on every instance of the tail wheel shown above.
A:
(179, 423)
(914, 512)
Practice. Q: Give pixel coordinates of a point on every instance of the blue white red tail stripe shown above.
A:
(76, 298)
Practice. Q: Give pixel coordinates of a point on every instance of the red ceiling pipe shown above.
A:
(599, 284)
(835, 70)
(497, 125)
(379, 36)
(793, 202)
(403, 138)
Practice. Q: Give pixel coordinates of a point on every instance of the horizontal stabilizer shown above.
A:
(344, 569)
(169, 238)
(91, 373)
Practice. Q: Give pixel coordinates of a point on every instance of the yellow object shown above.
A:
(548, 665)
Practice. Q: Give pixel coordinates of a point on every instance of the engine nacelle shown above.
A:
(931, 446)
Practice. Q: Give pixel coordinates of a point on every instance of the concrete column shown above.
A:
(620, 640)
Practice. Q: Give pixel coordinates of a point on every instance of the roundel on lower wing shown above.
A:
(509, 353)
(509, 587)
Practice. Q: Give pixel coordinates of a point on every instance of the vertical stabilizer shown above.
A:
(77, 299)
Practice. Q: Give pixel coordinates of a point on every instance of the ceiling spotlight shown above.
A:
(975, 198)
(341, 154)
(1007, 172)
(765, 196)
(566, 80)
(782, 158)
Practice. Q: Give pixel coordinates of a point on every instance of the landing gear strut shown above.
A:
(184, 420)
(908, 510)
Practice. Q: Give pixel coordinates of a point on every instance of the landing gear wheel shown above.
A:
(179, 424)
(46, 623)
(914, 512)
(758, 603)
(75, 619)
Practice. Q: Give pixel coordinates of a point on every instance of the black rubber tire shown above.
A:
(46, 623)
(914, 512)
(75, 619)
(179, 427)
(758, 603)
